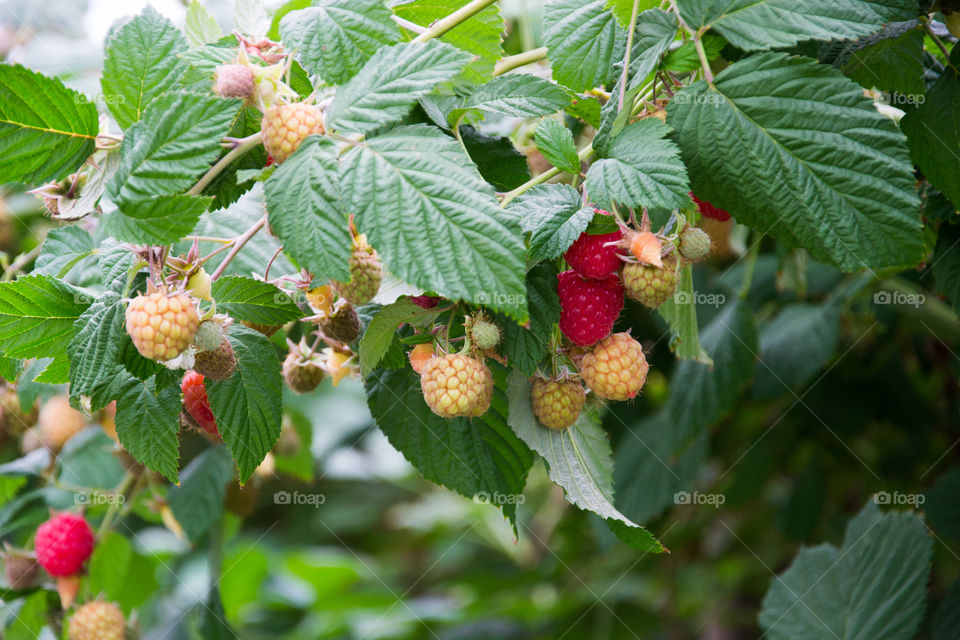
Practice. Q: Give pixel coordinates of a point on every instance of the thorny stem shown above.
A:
(584, 154)
(241, 241)
(242, 146)
(626, 55)
(443, 25)
(512, 62)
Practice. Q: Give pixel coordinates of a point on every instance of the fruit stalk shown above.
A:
(512, 62)
(585, 154)
(241, 241)
(242, 146)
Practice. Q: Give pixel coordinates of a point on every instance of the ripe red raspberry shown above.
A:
(594, 256)
(366, 273)
(63, 543)
(97, 621)
(710, 211)
(557, 403)
(234, 81)
(196, 403)
(457, 385)
(650, 285)
(588, 308)
(301, 374)
(216, 364)
(285, 126)
(161, 325)
(615, 368)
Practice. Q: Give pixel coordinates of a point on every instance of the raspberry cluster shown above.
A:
(196, 404)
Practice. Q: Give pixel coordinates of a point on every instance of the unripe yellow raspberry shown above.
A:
(651, 285)
(457, 385)
(58, 422)
(97, 621)
(285, 126)
(366, 273)
(161, 325)
(615, 368)
(557, 403)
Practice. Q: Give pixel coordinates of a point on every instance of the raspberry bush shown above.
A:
(610, 231)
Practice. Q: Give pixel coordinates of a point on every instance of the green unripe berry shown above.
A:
(694, 244)
(485, 335)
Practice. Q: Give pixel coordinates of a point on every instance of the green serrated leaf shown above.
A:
(525, 347)
(874, 588)
(201, 27)
(479, 457)
(335, 38)
(940, 506)
(839, 185)
(892, 60)
(641, 168)
(623, 9)
(554, 215)
(795, 345)
(95, 349)
(583, 40)
(653, 35)
(518, 95)
(46, 136)
(499, 162)
(141, 63)
(306, 212)
(556, 144)
(578, 459)
(56, 372)
(765, 24)
(449, 236)
(481, 35)
(148, 424)
(62, 249)
(175, 141)
(114, 264)
(156, 219)
(684, 58)
(933, 133)
(380, 332)
(247, 405)
(387, 87)
(197, 503)
(37, 315)
(256, 301)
